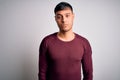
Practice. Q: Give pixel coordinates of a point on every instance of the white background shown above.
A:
(24, 23)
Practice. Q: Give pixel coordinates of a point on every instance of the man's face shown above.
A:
(64, 19)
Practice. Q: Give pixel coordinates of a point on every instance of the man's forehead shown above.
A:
(64, 12)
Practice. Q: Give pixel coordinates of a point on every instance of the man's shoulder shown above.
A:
(50, 37)
(78, 36)
(82, 39)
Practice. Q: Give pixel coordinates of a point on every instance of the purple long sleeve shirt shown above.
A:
(59, 60)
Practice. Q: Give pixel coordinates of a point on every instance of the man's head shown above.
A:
(62, 6)
(64, 16)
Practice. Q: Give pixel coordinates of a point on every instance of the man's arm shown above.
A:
(42, 61)
(87, 62)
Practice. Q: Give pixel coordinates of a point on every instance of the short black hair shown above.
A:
(62, 6)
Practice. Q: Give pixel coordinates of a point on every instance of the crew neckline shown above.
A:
(63, 40)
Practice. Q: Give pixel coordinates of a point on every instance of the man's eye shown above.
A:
(58, 17)
(67, 15)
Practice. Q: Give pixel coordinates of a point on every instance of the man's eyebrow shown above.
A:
(61, 14)
(67, 13)
(58, 14)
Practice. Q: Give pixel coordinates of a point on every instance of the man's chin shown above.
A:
(65, 30)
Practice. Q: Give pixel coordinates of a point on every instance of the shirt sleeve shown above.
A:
(87, 62)
(42, 61)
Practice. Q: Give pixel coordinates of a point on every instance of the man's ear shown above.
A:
(73, 15)
(55, 17)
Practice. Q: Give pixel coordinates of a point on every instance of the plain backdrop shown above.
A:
(24, 23)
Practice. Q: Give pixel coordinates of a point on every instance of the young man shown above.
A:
(61, 54)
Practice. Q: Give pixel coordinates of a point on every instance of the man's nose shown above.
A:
(63, 19)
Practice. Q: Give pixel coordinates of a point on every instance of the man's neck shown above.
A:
(66, 36)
